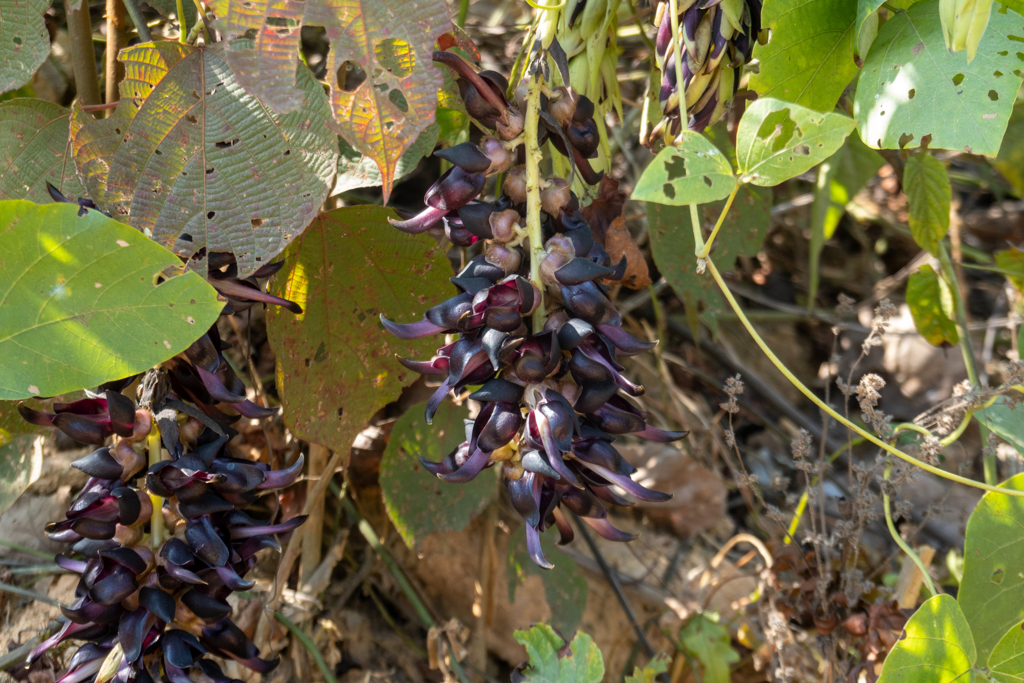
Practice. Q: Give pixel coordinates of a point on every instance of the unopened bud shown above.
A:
(555, 196)
(515, 184)
(564, 106)
(503, 225)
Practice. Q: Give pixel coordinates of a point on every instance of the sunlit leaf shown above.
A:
(1006, 663)
(24, 41)
(928, 198)
(693, 171)
(866, 25)
(709, 642)
(565, 588)
(777, 141)
(336, 364)
(912, 87)
(79, 301)
(418, 503)
(809, 59)
(383, 84)
(937, 647)
(34, 151)
(992, 589)
(1005, 419)
(188, 155)
(583, 662)
(931, 307)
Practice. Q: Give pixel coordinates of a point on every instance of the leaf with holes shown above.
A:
(937, 646)
(190, 156)
(551, 662)
(931, 306)
(79, 301)
(418, 503)
(912, 88)
(565, 589)
(34, 151)
(672, 245)
(809, 59)
(928, 198)
(383, 84)
(706, 640)
(992, 589)
(336, 364)
(24, 41)
(777, 141)
(356, 170)
(693, 171)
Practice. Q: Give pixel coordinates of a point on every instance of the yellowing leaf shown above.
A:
(384, 86)
(928, 195)
(1012, 261)
(931, 307)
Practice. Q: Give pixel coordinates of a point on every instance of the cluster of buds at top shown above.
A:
(161, 543)
(963, 24)
(716, 38)
(549, 390)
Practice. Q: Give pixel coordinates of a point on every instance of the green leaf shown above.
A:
(21, 463)
(1006, 420)
(565, 589)
(189, 156)
(1012, 260)
(658, 665)
(671, 235)
(928, 197)
(992, 590)
(809, 59)
(709, 642)
(34, 150)
(418, 503)
(169, 8)
(79, 304)
(777, 141)
(379, 51)
(912, 88)
(694, 171)
(937, 647)
(867, 25)
(336, 364)
(582, 664)
(1006, 663)
(356, 170)
(24, 41)
(1010, 161)
(931, 307)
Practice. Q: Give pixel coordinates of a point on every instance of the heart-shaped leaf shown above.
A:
(80, 303)
(693, 171)
(193, 158)
(34, 151)
(937, 646)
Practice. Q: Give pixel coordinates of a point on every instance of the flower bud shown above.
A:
(515, 184)
(500, 157)
(555, 196)
(503, 257)
(559, 253)
(503, 225)
(564, 106)
(514, 125)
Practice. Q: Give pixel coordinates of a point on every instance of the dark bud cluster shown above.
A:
(716, 38)
(552, 395)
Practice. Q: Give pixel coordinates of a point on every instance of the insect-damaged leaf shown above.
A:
(692, 171)
(80, 304)
(24, 41)
(383, 84)
(192, 157)
(34, 151)
(336, 364)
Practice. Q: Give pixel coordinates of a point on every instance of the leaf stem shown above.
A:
(904, 546)
(830, 411)
(182, 23)
(156, 523)
(703, 253)
(533, 226)
(117, 39)
(83, 56)
(463, 13)
(677, 55)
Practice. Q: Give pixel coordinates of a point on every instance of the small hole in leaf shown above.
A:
(225, 144)
(191, 119)
(993, 95)
(210, 215)
(958, 79)
(350, 76)
(158, 152)
(256, 223)
(676, 168)
(707, 181)
(209, 171)
(998, 575)
(997, 74)
(17, 40)
(911, 93)
(802, 150)
(398, 99)
(1020, 56)
(668, 191)
(396, 56)
(185, 237)
(341, 411)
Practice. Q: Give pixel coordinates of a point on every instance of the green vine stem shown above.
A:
(703, 253)
(827, 408)
(904, 546)
(677, 55)
(310, 646)
(156, 524)
(140, 21)
(534, 230)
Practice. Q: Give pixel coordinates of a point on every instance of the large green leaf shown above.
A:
(671, 235)
(1006, 420)
(777, 141)
(1010, 161)
(583, 662)
(336, 364)
(24, 41)
(708, 641)
(937, 646)
(992, 589)
(928, 198)
(931, 306)
(79, 301)
(565, 589)
(912, 88)
(357, 170)
(809, 59)
(693, 171)
(384, 87)
(419, 503)
(866, 25)
(191, 157)
(1006, 663)
(34, 147)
